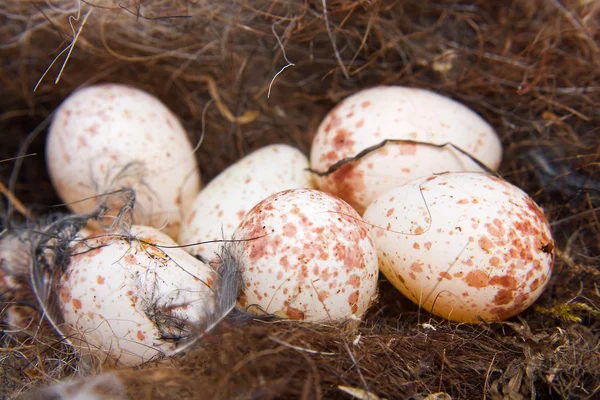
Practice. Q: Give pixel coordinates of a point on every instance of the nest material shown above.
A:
(251, 73)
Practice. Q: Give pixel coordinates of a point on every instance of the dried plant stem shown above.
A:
(14, 201)
(245, 118)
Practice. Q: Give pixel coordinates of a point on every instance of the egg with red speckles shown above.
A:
(106, 137)
(222, 204)
(465, 246)
(128, 300)
(371, 116)
(306, 255)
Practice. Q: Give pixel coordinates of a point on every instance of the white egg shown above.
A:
(20, 311)
(18, 306)
(393, 112)
(464, 246)
(223, 203)
(306, 255)
(129, 300)
(109, 136)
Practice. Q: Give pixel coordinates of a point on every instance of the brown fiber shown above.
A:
(530, 67)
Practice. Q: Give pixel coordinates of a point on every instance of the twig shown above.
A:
(17, 157)
(332, 39)
(72, 45)
(68, 49)
(355, 364)
(245, 118)
(286, 344)
(574, 216)
(203, 127)
(289, 63)
(13, 199)
(486, 386)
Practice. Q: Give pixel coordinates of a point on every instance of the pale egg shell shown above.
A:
(393, 112)
(463, 246)
(108, 136)
(308, 256)
(113, 287)
(18, 305)
(222, 204)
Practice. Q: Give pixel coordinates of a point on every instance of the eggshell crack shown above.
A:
(394, 112)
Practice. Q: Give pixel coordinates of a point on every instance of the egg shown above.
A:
(106, 137)
(222, 204)
(306, 255)
(129, 301)
(392, 112)
(18, 305)
(465, 246)
(20, 311)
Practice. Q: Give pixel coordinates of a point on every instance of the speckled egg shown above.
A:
(109, 136)
(223, 203)
(393, 112)
(306, 255)
(464, 246)
(128, 301)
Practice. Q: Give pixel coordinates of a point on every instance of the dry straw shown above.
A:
(250, 73)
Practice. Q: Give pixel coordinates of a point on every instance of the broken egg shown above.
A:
(393, 112)
(110, 136)
(464, 246)
(222, 204)
(132, 300)
(306, 255)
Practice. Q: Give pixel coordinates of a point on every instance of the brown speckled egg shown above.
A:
(307, 256)
(464, 246)
(393, 112)
(222, 204)
(125, 300)
(109, 136)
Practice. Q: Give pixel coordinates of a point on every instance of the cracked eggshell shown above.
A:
(463, 246)
(308, 256)
(222, 204)
(393, 112)
(114, 292)
(109, 136)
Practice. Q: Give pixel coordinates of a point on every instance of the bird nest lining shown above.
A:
(244, 74)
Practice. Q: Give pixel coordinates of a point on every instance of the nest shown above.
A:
(244, 74)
